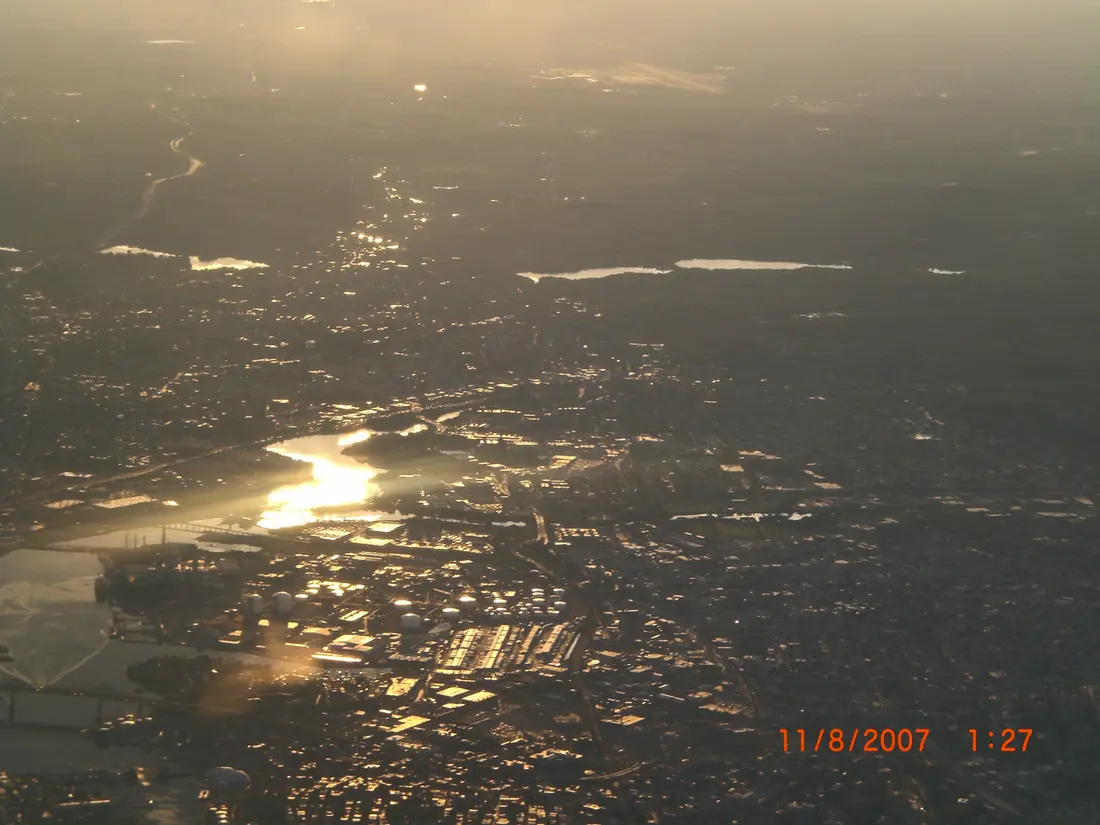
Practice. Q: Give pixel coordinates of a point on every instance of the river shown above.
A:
(57, 632)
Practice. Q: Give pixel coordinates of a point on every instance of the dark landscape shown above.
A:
(440, 523)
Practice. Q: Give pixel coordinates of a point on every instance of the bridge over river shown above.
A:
(25, 704)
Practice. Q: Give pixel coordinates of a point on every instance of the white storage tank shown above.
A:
(284, 603)
(402, 604)
(560, 605)
(410, 621)
(467, 602)
(253, 604)
(451, 614)
(559, 591)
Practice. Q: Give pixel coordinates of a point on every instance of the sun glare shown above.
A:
(334, 485)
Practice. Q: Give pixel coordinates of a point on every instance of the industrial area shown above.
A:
(527, 626)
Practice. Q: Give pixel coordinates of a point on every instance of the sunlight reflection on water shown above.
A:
(338, 480)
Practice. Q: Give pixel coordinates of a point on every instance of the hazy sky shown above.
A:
(1007, 47)
(506, 26)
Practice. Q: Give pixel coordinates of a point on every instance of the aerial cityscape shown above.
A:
(511, 416)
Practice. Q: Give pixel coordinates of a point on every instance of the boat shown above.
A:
(5, 654)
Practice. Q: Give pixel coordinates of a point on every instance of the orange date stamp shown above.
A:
(856, 740)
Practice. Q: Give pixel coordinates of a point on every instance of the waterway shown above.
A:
(339, 482)
(49, 617)
(56, 630)
(57, 633)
